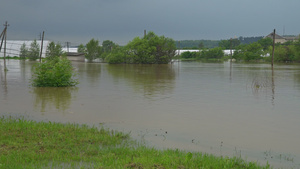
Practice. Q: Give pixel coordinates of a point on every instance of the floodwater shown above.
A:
(244, 110)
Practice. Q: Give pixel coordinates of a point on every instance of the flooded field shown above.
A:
(245, 110)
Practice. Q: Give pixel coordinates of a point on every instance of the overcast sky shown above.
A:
(78, 21)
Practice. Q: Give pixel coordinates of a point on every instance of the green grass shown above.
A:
(31, 144)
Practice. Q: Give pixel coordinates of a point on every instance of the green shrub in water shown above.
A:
(54, 72)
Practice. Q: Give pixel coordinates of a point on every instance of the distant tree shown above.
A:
(285, 54)
(249, 40)
(297, 50)
(151, 49)
(231, 43)
(54, 50)
(251, 52)
(34, 50)
(23, 51)
(215, 53)
(194, 44)
(81, 49)
(93, 50)
(201, 45)
(265, 43)
(107, 46)
(117, 55)
(188, 55)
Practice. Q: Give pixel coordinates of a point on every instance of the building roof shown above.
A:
(276, 36)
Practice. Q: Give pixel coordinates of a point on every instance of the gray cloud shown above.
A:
(121, 20)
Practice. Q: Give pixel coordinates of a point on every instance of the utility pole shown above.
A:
(42, 47)
(145, 33)
(68, 44)
(230, 50)
(272, 63)
(178, 47)
(5, 34)
(2, 35)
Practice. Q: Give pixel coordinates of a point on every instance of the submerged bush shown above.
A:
(54, 72)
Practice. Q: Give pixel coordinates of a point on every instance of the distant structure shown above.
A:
(282, 39)
(74, 56)
(13, 47)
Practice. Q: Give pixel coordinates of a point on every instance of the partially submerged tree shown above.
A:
(54, 50)
(54, 72)
(93, 50)
(81, 49)
(151, 49)
(23, 51)
(34, 50)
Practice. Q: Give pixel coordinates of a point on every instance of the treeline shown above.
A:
(196, 44)
(33, 52)
(256, 51)
(151, 49)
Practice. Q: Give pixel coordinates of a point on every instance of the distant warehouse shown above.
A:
(13, 47)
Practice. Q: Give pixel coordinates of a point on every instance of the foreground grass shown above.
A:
(30, 144)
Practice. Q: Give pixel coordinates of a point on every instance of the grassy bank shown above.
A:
(30, 144)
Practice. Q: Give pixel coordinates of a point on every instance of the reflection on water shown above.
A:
(148, 79)
(47, 98)
(89, 71)
(247, 110)
(264, 84)
(3, 83)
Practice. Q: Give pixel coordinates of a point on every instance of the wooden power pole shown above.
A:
(5, 34)
(42, 47)
(272, 63)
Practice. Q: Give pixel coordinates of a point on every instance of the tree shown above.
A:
(231, 43)
(151, 49)
(188, 55)
(53, 72)
(215, 53)
(107, 46)
(53, 50)
(265, 43)
(34, 51)
(201, 45)
(93, 50)
(116, 56)
(251, 52)
(81, 49)
(297, 50)
(23, 51)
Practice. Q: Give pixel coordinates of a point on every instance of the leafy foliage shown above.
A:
(34, 51)
(151, 49)
(23, 51)
(215, 53)
(228, 44)
(53, 72)
(196, 44)
(251, 52)
(116, 56)
(189, 55)
(81, 49)
(93, 50)
(54, 50)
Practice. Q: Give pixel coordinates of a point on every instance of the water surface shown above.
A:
(245, 110)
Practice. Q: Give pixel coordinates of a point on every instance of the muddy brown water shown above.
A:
(246, 110)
